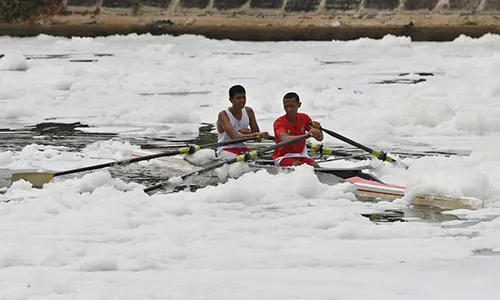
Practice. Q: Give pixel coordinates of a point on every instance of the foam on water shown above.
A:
(271, 236)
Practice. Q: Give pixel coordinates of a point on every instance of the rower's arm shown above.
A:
(280, 131)
(253, 121)
(228, 128)
(284, 136)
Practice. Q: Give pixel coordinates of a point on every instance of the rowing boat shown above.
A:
(367, 186)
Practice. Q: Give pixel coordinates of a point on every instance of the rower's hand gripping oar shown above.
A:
(378, 154)
(38, 179)
(240, 158)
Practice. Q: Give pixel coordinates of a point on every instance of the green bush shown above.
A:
(22, 10)
(136, 7)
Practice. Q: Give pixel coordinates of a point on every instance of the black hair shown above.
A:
(236, 89)
(292, 95)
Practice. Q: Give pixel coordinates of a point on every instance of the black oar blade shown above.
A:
(37, 180)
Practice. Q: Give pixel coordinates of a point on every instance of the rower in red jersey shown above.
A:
(289, 126)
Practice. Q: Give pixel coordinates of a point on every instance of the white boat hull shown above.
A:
(374, 191)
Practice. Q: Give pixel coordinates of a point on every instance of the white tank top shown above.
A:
(237, 125)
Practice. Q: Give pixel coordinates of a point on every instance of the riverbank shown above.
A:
(419, 27)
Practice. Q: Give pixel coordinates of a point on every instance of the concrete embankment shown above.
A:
(261, 20)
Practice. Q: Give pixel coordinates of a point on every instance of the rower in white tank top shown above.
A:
(229, 128)
(237, 126)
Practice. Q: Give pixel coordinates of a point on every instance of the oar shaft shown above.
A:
(232, 142)
(378, 154)
(125, 162)
(285, 143)
(347, 140)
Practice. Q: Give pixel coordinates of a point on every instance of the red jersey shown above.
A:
(301, 127)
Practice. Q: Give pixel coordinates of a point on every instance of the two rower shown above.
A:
(238, 121)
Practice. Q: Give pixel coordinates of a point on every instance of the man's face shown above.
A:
(239, 100)
(291, 106)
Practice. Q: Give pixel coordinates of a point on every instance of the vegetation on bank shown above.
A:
(136, 7)
(28, 10)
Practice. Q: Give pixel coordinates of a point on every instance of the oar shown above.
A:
(319, 148)
(38, 179)
(378, 154)
(360, 156)
(239, 158)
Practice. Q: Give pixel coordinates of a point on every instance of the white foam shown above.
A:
(13, 62)
(93, 236)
